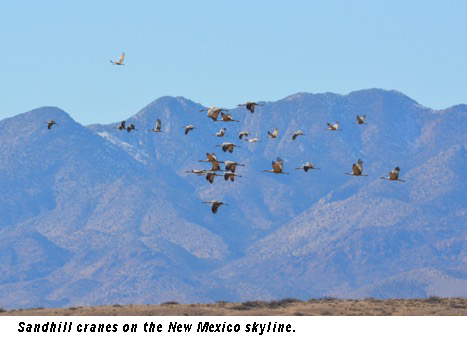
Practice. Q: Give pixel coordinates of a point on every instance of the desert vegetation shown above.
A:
(284, 307)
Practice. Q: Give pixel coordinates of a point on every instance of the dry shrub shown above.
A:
(169, 303)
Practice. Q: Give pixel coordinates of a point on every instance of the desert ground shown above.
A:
(283, 307)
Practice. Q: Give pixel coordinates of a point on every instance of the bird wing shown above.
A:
(211, 157)
(215, 166)
(121, 58)
(276, 131)
(356, 169)
(215, 207)
(228, 165)
(158, 125)
(393, 175)
(187, 130)
(294, 136)
(230, 148)
(276, 167)
(252, 107)
(360, 165)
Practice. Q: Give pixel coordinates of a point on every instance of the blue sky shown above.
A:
(225, 52)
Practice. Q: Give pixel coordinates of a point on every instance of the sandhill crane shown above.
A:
(211, 158)
(50, 123)
(121, 126)
(296, 134)
(229, 165)
(231, 175)
(189, 128)
(254, 140)
(210, 177)
(334, 127)
(361, 120)
(274, 134)
(357, 169)
(393, 175)
(119, 62)
(197, 172)
(228, 118)
(242, 134)
(157, 129)
(307, 166)
(213, 112)
(228, 147)
(221, 132)
(215, 204)
(277, 167)
(250, 106)
(130, 128)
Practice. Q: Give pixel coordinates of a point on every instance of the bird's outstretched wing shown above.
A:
(356, 170)
(158, 125)
(121, 58)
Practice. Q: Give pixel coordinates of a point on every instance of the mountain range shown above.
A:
(91, 215)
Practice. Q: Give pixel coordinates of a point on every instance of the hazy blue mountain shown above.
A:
(94, 215)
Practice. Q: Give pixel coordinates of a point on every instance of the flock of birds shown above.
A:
(229, 172)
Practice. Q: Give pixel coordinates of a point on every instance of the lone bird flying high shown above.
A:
(119, 62)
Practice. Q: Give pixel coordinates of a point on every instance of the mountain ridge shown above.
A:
(111, 216)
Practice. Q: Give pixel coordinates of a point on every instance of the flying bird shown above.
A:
(221, 132)
(130, 128)
(393, 175)
(273, 134)
(231, 166)
(334, 127)
(250, 106)
(254, 140)
(307, 166)
(210, 177)
(277, 167)
(228, 118)
(213, 112)
(296, 134)
(214, 205)
(189, 128)
(197, 172)
(231, 175)
(357, 169)
(228, 147)
(211, 157)
(121, 126)
(361, 120)
(50, 123)
(242, 134)
(119, 62)
(157, 129)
